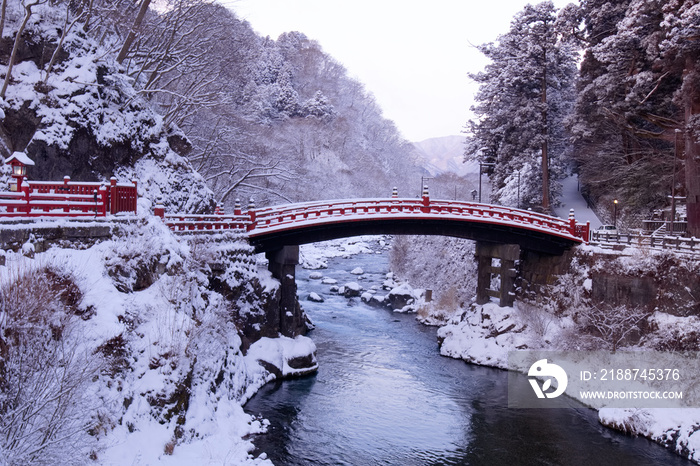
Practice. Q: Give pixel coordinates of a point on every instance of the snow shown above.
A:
(486, 334)
(571, 198)
(171, 328)
(21, 157)
(279, 351)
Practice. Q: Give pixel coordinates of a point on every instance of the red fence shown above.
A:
(297, 215)
(68, 199)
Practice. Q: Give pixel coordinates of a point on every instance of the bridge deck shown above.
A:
(271, 228)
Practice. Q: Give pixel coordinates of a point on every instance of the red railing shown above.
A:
(267, 219)
(68, 199)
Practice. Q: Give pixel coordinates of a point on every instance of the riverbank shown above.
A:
(564, 321)
(132, 351)
(379, 370)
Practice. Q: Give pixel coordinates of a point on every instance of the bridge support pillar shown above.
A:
(282, 265)
(507, 254)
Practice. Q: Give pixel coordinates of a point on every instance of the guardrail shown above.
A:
(68, 199)
(295, 215)
(674, 243)
(197, 223)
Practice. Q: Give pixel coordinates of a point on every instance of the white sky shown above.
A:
(413, 55)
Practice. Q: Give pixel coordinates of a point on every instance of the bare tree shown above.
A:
(18, 38)
(612, 327)
(133, 31)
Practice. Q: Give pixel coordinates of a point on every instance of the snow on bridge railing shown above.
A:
(266, 219)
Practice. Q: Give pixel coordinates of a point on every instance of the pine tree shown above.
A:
(525, 94)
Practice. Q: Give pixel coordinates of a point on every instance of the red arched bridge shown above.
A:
(500, 233)
(271, 228)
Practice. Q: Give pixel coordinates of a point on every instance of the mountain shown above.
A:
(445, 154)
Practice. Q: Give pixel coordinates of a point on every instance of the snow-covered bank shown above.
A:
(143, 360)
(485, 334)
(565, 318)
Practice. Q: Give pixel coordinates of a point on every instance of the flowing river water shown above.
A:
(383, 395)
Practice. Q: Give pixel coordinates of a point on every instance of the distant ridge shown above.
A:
(445, 154)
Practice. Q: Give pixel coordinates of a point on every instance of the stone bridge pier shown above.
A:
(282, 264)
(494, 260)
(506, 254)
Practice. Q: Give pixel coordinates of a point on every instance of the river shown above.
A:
(383, 395)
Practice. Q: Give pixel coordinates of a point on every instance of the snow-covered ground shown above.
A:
(156, 373)
(571, 199)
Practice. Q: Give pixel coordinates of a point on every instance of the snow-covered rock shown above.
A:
(402, 296)
(315, 275)
(357, 271)
(350, 290)
(314, 297)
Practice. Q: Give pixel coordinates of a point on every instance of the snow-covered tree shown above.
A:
(525, 94)
(680, 56)
(625, 119)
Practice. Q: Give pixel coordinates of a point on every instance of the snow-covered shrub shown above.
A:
(139, 256)
(45, 404)
(612, 326)
(538, 316)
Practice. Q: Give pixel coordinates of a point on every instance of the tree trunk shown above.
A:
(692, 165)
(545, 132)
(13, 56)
(3, 10)
(132, 33)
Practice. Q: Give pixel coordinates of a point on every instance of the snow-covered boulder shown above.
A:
(315, 276)
(285, 356)
(314, 297)
(329, 281)
(402, 296)
(350, 290)
(357, 271)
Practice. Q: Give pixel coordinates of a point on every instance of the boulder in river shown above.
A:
(350, 290)
(314, 297)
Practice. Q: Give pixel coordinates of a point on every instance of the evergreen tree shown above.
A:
(625, 117)
(526, 92)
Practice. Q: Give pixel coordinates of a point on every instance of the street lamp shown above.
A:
(19, 163)
(615, 214)
(481, 169)
(423, 179)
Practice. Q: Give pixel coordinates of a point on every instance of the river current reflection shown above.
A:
(384, 396)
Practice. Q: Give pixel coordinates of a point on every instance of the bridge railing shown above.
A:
(671, 243)
(281, 217)
(183, 223)
(68, 199)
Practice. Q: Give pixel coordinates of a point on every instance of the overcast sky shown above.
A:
(413, 55)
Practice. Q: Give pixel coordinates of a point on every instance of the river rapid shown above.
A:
(383, 395)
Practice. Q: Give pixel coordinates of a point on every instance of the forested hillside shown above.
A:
(627, 121)
(99, 88)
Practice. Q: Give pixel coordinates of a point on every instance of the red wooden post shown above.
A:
(66, 191)
(135, 197)
(251, 214)
(237, 207)
(104, 200)
(26, 190)
(426, 200)
(112, 195)
(572, 222)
